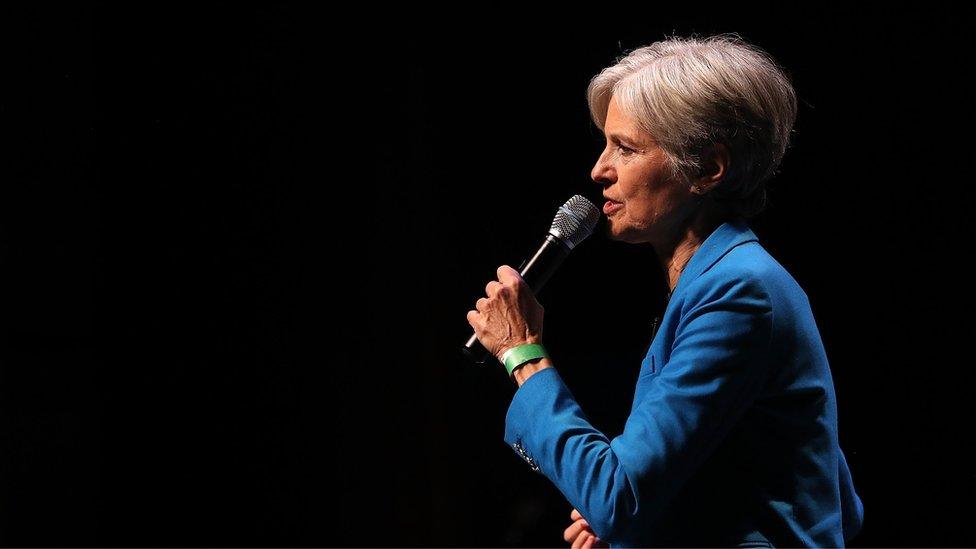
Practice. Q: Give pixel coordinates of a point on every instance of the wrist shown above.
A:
(527, 370)
(530, 341)
(518, 355)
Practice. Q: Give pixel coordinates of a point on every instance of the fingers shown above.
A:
(588, 544)
(492, 288)
(481, 304)
(507, 275)
(589, 540)
(580, 534)
(573, 531)
(581, 539)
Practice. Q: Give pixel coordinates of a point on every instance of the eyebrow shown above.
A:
(627, 138)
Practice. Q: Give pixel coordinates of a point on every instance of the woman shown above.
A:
(732, 437)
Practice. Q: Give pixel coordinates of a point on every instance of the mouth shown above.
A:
(611, 206)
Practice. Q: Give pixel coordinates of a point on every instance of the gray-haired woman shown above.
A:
(732, 437)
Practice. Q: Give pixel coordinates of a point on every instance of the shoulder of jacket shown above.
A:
(746, 268)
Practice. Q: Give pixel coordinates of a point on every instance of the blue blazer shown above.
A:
(732, 436)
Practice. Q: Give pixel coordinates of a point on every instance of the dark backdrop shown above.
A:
(238, 248)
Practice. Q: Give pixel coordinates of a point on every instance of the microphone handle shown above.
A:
(536, 273)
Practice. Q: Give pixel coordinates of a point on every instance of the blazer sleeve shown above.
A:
(851, 507)
(715, 371)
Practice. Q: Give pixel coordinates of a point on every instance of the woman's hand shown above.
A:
(510, 316)
(579, 533)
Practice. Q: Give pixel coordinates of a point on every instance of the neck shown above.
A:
(675, 253)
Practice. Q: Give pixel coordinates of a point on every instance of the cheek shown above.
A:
(642, 205)
(644, 193)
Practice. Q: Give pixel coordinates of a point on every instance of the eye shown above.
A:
(625, 150)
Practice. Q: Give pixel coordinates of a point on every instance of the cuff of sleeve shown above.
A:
(527, 412)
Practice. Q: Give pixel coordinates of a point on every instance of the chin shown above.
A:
(630, 235)
(616, 234)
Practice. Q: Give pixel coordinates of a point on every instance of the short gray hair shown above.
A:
(690, 93)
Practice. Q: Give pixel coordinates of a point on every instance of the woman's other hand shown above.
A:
(579, 534)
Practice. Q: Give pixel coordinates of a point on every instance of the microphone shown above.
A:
(574, 221)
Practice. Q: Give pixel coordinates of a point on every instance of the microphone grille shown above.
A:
(574, 221)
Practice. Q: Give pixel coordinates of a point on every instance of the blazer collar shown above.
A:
(728, 235)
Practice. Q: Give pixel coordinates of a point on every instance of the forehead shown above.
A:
(619, 124)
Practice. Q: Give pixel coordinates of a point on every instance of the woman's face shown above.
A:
(645, 203)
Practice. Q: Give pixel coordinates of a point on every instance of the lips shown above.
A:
(611, 206)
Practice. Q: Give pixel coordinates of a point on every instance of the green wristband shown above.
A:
(517, 356)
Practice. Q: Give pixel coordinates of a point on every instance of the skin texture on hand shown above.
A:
(579, 534)
(508, 317)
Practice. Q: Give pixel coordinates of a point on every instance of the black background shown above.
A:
(239, 245)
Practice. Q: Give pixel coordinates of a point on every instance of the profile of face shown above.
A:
(645, 203)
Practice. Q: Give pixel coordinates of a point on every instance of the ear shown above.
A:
(714, 169)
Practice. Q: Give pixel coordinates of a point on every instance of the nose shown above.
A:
(603, 172)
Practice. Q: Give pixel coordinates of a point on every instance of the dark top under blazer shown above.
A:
(732, 436)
